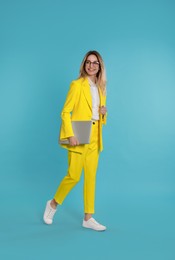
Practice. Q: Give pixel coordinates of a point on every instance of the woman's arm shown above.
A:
(72, 96)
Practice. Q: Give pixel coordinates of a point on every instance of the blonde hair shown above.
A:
(101, 75)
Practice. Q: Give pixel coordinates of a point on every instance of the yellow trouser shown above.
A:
(87, 160)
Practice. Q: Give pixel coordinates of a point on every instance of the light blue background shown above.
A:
(42, 44)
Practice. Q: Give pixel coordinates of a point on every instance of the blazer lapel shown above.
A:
(87, 93)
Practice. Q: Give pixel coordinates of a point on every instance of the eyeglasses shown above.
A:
(94, 63)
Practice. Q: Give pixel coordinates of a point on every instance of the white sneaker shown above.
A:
(93, 224)
(49, 213)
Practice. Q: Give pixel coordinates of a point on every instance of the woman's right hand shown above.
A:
(73, 141)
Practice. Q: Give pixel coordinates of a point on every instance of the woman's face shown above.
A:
(92, 65)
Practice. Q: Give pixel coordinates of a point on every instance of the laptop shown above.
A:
(82, 131)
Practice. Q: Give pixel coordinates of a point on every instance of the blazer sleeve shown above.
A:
(66, 126)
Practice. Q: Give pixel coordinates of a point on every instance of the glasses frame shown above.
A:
(94, 63)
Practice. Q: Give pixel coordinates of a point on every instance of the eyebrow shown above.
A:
(93, 61)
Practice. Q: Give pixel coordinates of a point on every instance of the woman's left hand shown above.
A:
(103, 110)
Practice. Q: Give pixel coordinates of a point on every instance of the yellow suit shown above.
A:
(78, 106)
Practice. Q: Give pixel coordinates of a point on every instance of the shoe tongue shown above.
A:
(93, 220)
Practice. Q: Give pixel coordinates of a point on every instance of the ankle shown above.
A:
(53, 204)
(87, 216)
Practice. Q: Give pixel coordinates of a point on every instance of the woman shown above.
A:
(86, 100)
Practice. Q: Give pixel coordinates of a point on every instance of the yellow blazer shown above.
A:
(78, 106)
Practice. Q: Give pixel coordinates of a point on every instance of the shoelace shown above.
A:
(94, 221)
(51, 213)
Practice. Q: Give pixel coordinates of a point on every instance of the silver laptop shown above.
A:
(82, 131)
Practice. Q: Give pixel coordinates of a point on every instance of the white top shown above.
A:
(95, 100)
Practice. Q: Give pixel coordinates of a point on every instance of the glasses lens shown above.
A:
(94, 63)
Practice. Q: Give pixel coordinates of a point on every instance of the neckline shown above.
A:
(91, 82)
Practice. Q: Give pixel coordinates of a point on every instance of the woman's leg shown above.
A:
(75, 162)
(90, 167)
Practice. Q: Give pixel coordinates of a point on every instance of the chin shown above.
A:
(92, 73)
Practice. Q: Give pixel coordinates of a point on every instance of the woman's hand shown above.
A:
(73, 141)
(103, 110)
